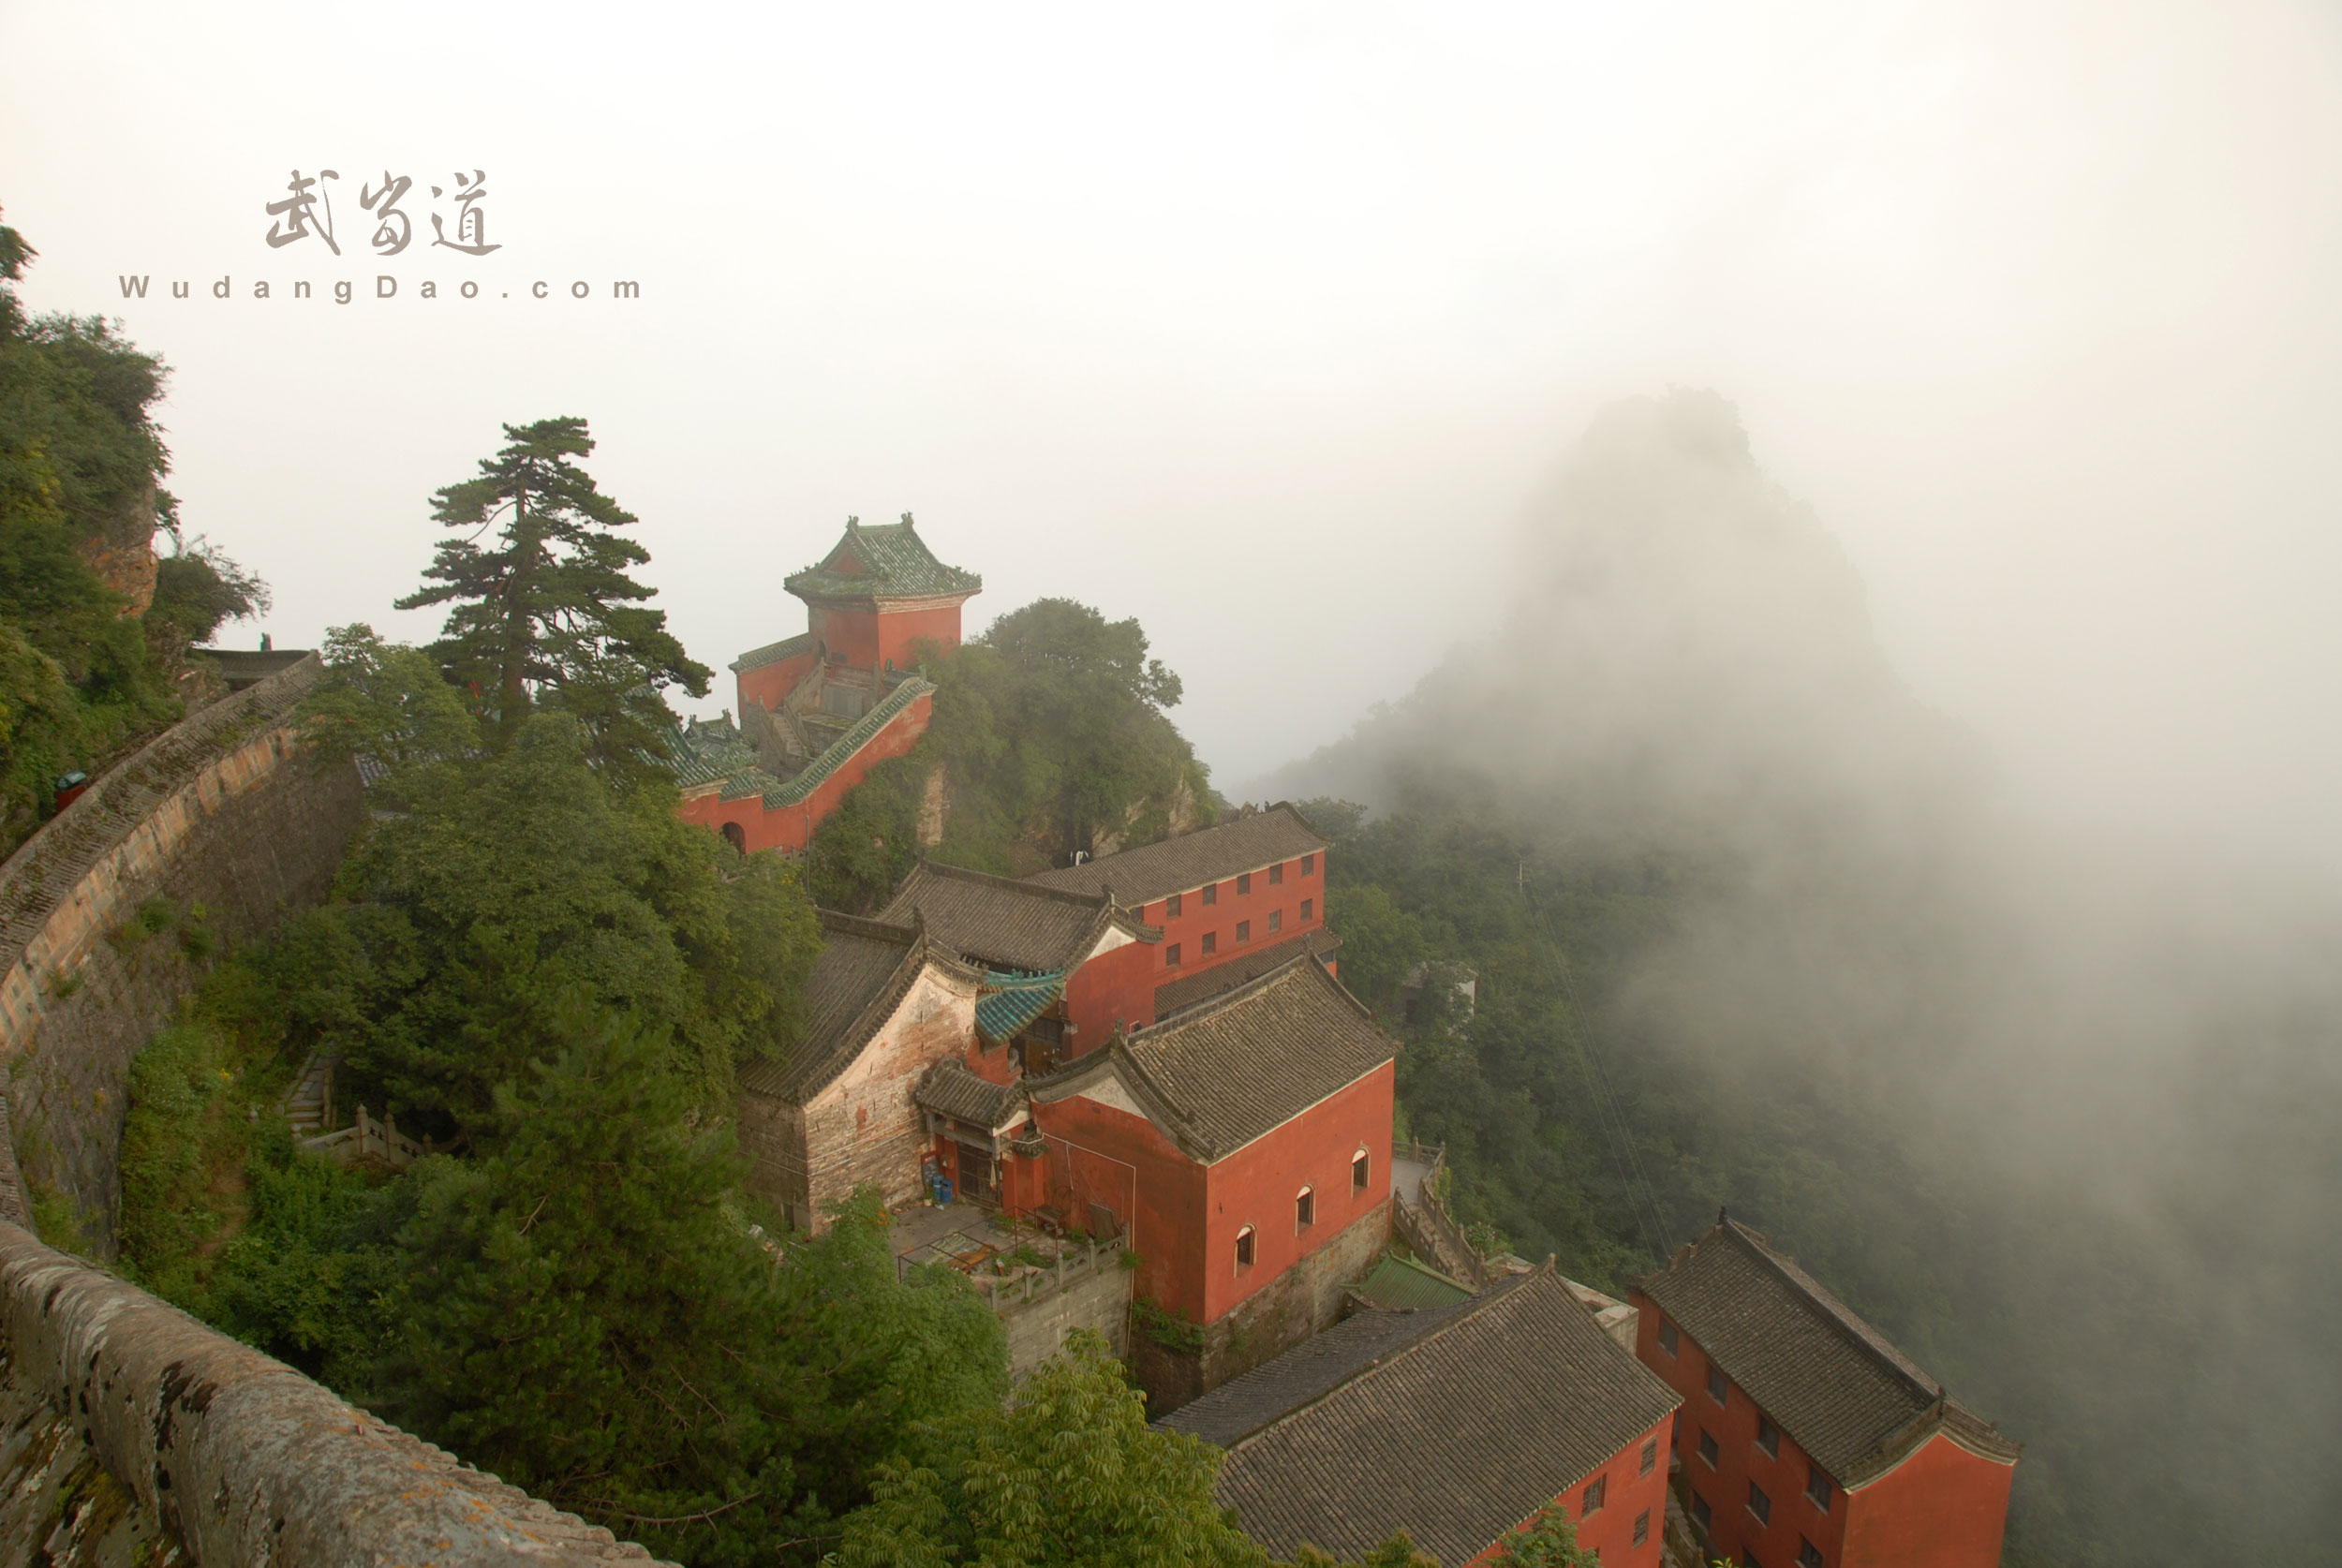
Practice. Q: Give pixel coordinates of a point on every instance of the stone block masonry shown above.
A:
(130, 1433)
(1088, 1288)
(213, 831)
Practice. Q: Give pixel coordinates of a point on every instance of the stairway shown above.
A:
(310, 1098)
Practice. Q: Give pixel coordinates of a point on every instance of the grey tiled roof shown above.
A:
(883, 561)
(949, 1089)
(1002, 922)
(1456, 1437)
(1311, 1370)
(1250, 963)
(1846, 1396)
(1221, 1074)
(865, 970)
(1212, 854)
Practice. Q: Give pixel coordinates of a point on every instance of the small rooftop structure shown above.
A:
(880, 563)
(1402, 1284)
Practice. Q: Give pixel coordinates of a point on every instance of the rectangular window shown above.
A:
(1277, 875)
(1668, 1340)
(1171, 907)
(1642, 1526)
(1171, 956)
(1808, 1555)
(1211, 893)
(1308, 907)
(1275, 920)
(1702, 1515)
(1716, 1386)
(1596, 1495)
(1308, 864)
(1244, 1248)
(1650, 1457)
(1244, 931)
(1211, 943)
(1244, 881)
(1305, 1210)
(1759, 1505)
(1817, 1487)
(1361, 1172)
(1768, 1436)
(1708, 1449)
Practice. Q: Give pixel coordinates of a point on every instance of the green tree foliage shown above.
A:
(1547, 1541)
(80, 458)
(588, 1314)
(547, 608)
(1069, 1474)
(199, 589)
(511, 877)
(1049, 734)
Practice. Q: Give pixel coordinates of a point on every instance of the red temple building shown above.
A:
(1244, 1145)
(817, 711)
(1456, 1424)
(1805, 1439)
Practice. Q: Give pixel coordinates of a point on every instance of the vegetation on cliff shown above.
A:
(1746, 930)
(1050, 735)
(93, 629)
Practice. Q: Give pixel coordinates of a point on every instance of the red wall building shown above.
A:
(817, 711)
(1232, 901)
(1233, 1142)
(1806, 1439)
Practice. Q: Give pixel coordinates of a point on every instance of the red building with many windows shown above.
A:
(1232, 901)
(817, 711)
(1805, 1439)
(1456, 1424)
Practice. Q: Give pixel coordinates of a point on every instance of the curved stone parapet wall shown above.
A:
(226, 818)
(130, 1433)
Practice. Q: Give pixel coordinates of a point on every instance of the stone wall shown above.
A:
(1095, 1294)
(131, 1434)
(214, 830)
(861, 1127)
(1305, 1299)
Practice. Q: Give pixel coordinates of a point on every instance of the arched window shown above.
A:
(1305, 1209)
(1361, 1171)
(738, 836)
(1244, 1249)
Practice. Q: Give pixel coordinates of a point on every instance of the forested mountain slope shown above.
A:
(1752, 925)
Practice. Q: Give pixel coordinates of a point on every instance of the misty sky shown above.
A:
(1262, 323)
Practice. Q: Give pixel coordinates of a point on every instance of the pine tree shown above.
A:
(548, 608)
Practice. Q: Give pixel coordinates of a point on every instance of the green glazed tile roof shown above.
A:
(1014, 1002)
(773, 653)
(708, 752)
(886, 561)
(1403, 1285)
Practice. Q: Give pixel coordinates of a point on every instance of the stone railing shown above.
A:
(129, 1432)
(1425, 1224)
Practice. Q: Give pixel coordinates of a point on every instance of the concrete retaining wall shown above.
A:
(224, 818)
